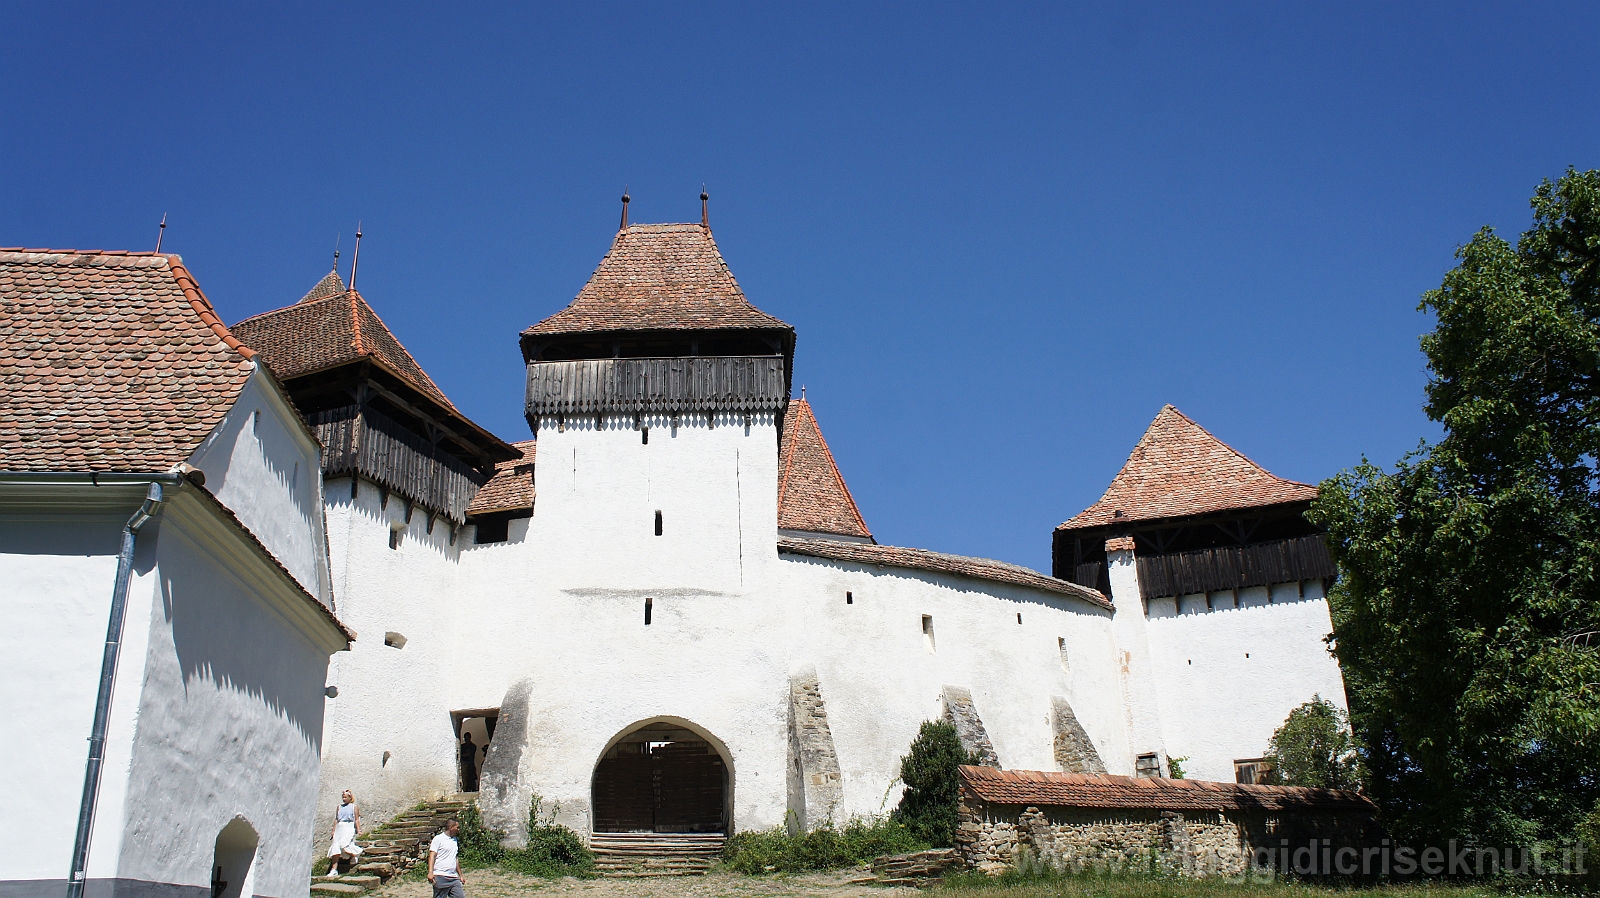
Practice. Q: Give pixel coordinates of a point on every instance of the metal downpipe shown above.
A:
(102, 704)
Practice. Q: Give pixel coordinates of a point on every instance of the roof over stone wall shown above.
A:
(1041, 789)
(1178, 469)
(938, 562)
(511, 488)
(109, 361)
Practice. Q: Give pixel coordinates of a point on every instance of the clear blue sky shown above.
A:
(1005, 236)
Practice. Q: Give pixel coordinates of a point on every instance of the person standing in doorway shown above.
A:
(469, 764)
(444, 864)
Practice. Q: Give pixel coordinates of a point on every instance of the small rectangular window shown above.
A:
(849, 599)
(658, 523)
(1019, 617)
(396, 534)
(1252, 771)
(644, 436)
(927, 631)
(647, 606)
(1061, 645)
(1147, 766)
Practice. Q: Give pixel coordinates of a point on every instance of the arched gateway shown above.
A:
(663, 775)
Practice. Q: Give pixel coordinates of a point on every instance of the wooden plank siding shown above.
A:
(364, 442)
(728, 383)
(1233, 567)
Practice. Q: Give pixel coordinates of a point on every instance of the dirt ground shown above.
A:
(497, 884)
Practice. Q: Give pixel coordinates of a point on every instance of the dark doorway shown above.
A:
(478, 724)
(664, 778)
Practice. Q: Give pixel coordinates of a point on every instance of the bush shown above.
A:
(1314, 748)
(824, 848)
(929, 804)
(553, 850)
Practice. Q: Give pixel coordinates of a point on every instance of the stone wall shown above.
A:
(961, 713)
(994, 838)
(815, 784)
(1074, 750)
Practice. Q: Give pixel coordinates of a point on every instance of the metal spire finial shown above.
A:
(161, 234)
(336, 240)
(624, 209)
(705, 209)
(355, 262)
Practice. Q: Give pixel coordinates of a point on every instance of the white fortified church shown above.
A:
(663, 614)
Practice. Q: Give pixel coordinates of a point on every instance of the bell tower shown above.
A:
(657, 398)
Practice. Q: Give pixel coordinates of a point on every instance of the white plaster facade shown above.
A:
(556, 615)
(216, 716)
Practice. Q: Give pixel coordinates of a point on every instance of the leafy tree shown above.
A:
(1466, 616)
(932, 797)
(1314, 748)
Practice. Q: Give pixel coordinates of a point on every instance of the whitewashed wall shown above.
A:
(264, 466)
(229, 711)
(390, 700)
(58, 570)
(1134, 661)
(1227, 677)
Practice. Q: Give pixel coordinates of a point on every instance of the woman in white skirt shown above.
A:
(346, 823)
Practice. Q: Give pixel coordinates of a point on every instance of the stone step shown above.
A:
(366, 881)
(335, 888)
(642, 874)
(382, 871)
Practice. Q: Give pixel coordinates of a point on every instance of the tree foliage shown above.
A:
(932, 796)
(1466, 617)
(1314, 748)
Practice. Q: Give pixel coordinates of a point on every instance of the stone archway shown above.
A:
(663, 775)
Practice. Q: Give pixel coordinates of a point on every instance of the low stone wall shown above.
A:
(1193, 843)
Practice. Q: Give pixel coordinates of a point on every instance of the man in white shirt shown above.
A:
(444, 867)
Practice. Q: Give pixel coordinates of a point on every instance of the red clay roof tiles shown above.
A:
(812, 495)
(511, 487)
(1081, 790)
(326, 331)
(1178, 469)
(109, 361)
(660, 277)
(938, 562)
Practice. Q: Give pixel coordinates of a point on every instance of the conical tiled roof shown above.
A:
(1178, 469)
(330, 285)
(316, 334)
(659, 277)
(812, 495)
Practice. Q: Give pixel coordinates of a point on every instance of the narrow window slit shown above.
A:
(658, 522)
(647, 606)
(849, 598)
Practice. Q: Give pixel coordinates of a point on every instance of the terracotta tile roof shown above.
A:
(511, 487)
(330, 285)
(812, 495)
(660, 277)
(938, 562)
(1178, 470)
(1081, 790)
(333, 329)
(109, 361)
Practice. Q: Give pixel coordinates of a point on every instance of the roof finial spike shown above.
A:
(624, 224)
(336, 239)
(355, 262)
(802, 392)
(161, 234)
(705, 210)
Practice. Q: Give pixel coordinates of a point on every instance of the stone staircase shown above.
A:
(392, 848)
(655, 854)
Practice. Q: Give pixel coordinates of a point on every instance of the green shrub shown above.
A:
(933, 785)
(825, 848)
(1314, 748)
(553, 850)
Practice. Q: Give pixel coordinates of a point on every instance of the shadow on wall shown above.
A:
(229, 644)
(233, 865)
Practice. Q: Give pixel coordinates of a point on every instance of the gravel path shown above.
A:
(499, 884)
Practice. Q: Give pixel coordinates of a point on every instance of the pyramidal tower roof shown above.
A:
(328, 329)
(812, 495)
(1178, 469)
(330, 285)
(659, 277)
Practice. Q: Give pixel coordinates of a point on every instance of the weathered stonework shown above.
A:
(960, 712)
(1075, 753)
(816, 786)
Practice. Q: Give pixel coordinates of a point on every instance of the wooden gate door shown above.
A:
(665, 787)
